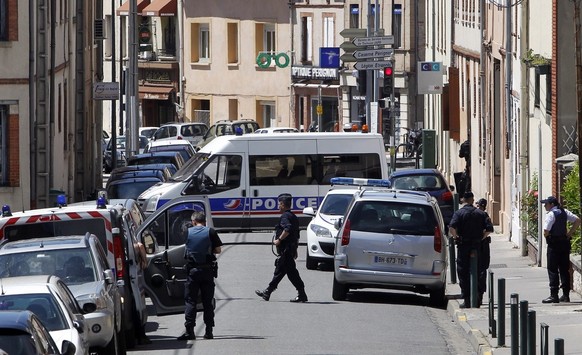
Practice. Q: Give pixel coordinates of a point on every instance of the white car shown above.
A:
(191, 131)
(321, 232)
(53, 303)
(147, 131)
(277, 130)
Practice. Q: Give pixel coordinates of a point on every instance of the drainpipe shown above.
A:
(31, 102)
(508, 77)
(51, 125)
(181, 78)
(524, 119)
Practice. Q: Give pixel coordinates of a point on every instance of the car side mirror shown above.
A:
(452, 187)
(309, 211)
(89, 307)
(108, 276)
(79, 325)
(338, 224)
(68, 348)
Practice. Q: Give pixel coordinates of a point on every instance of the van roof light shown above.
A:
(61, 200)
(102, 199)
(6, 212)
(359, 182)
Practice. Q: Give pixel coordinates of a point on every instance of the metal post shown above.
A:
(113, 79)
(544, 339)
(501, 312)
(558, 346)
(514, 315)
(492, 328)
(474, 276)
(452, 261)
(319, 110)
(523, 322)
(531, 332)
(578, 85)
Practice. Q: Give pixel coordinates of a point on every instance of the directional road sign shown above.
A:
(373, 41)
(373, 65)
(353, 32)
(373, 53)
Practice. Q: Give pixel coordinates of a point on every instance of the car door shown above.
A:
(164, 235)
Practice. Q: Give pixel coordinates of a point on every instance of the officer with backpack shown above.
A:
(468, 228)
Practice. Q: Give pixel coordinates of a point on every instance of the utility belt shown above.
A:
(557, 238)
(467, 242)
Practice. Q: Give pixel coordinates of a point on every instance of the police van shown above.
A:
(121, 226)
(243, 175)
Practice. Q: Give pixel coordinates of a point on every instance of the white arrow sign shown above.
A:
(373, 41)
(373, 53)
(373, 65)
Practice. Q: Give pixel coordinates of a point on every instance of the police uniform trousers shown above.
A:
(464, 266)
(559, 265)
(285, 265)
(484, 262)
(199, 280)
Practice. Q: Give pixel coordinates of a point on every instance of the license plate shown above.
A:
(391, 260)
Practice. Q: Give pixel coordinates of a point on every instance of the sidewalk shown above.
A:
(530, 282)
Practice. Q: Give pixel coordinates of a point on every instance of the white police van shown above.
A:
(243, 175)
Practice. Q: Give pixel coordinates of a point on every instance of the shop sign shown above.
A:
(314, 73)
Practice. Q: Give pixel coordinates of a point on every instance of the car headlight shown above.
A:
(152, 203)
(320, 231)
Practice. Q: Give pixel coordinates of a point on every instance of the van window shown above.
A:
(188, 169)
(179, 218)
(281, 170)
(352, 165)
(221, 173)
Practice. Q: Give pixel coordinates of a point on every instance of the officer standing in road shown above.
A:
(558, 238)
(485, 258)
(201, 246)
(468, 227)
(287, 242)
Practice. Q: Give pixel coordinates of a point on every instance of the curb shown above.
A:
(477, 339)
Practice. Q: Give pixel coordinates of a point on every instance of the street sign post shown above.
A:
(373, 65)
(373, 53)
(373, 41)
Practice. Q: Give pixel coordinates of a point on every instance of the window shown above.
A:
(266, 114)
(306, 39)
(537, 91)
(204, 42)
(328, 30)
(269, 38)
(200, 45)
(232, 109)
(232, 38)
(3, 20)
(354, 16)
(397, 25)
(548, 94)
(4, 145)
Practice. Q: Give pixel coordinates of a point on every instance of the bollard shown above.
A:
(501, 312)
(513, 314)
(492, 328)
(523, 306)
(474, 278)
(452, 261)
(531, 332)
(544, 339)
(558, 346)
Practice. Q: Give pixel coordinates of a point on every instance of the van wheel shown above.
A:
(310, 263)
(438, 298)
(339, 291)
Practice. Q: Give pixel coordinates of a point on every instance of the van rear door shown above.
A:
(164, 234)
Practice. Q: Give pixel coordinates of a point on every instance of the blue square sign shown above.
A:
(329, 57)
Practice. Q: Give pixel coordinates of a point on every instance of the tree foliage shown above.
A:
(529, 208)
(571, 199)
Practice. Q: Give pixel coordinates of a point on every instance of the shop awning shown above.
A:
(155, 92)
(123, 10)
(161, 8)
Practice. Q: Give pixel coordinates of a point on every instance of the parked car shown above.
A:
(52, 302)
(161, 166)
(148, 132)
(226, 127)
(192, 132)
(121, 154)
(277, 130)
(116, 174)
(321, 231)
(81, 263)
(130, 187)
(22, 333)
(391, 239)
(429, 180)
(157, 158)
(172, 145)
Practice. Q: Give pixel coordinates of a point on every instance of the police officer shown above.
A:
(468, 227)
(558, 238)
(485, 258)
(201, 246)
(287, 242)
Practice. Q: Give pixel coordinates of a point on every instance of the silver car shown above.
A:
(391, 239)
(81, 263)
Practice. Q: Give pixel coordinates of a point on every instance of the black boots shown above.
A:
(208, 334)
(265, 294)
(301, 297)
(565, 297)
(553, 299)
(188, 335)
(466, 303)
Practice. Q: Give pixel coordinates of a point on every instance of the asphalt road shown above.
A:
(370, 322)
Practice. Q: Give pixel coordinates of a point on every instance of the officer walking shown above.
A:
(558, 238)
(287, 242)
(468, 227)
(201, 246)
(485, 258)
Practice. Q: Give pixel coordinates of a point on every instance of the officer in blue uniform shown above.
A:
(558, 237)
(485, 257)
(201, 246)
(287, 242)
(468, 227)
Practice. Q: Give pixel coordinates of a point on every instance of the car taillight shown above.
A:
(118, 255)
(179, 137)
(438, 239)
(447, 196)
(346, 232)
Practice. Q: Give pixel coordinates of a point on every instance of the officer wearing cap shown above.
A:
(287, 242)
(468, 228)
(558, 237)
(485, 258)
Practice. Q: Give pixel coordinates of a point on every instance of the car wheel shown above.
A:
(339, 291)
(121, 346)
(438, 297)
(112, 347)
(310, 263)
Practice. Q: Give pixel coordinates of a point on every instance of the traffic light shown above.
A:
(362, 81)
(388, 81)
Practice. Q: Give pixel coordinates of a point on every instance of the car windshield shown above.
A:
(193, 130)
(132, 189)
(190, 167)
(50, 228)
(336, 204)
(143, 141)
(14, 341)
(74, 266)
(43, 305)
(148, 132)
(418, 182)
(392, 217)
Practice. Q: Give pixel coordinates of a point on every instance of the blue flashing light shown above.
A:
(101, 202)
(61, 200)
(359, 182)
(6, 212)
